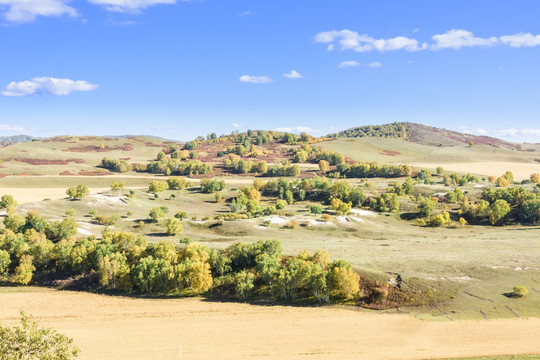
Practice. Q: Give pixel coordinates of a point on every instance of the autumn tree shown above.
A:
(244, 284)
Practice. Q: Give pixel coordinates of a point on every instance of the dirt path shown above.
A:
(124, 328)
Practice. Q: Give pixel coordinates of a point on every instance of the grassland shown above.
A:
(461, 273)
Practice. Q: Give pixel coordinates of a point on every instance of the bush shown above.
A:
(212, 185)
(30, 341)
(181, 215)
(315, 209)
(520, 291)
(292, 224)
(173, 226)
(77, 192)
(158, 186)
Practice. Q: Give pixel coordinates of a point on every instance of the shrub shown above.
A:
(181, 215)
(292, 224)
(315, 209)
(520, 291)
(30, 341)
(326, 217)
(77, 192)
(212, 185)
(173, 226)
(70, 212)
(158, 186)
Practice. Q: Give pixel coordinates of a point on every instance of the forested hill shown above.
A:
(394, 131)
(423, 134)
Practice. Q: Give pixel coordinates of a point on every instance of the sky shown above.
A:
(179, 69)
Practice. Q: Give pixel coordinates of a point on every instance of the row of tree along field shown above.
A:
(126, 262)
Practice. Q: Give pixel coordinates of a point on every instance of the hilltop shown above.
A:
(425, 135)
(15, 139)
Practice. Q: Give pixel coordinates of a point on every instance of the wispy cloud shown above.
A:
(350, 63)
(6, 127)
(130, 6)
(255, 79)
(236, 125)
(529, 134)
(48, 85)
(293, 75)
(297, 129)
(245, 13)
(374, 64)
(351, 40)
(452, 39)
(24, 11)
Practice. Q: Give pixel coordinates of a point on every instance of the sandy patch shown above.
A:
(108, 327)
(363, 212)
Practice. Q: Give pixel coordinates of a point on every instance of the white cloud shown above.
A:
(236, 125)
(452, 39)
(255, 79)
(6, 127)
(374, 64)
(521, 39)
(297, 129)
(526, 133)
(350, 63)
(351, 40)
(245, 13)
(47, 85)
(293, 75)
(130, 6)
(456, 39)
(23, 11)
(415, 30)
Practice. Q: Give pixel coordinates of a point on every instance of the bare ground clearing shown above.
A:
(106, 327)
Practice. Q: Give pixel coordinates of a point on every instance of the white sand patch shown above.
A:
(278, 220)
(362, 212)
(343, 219)
(357, 219)
(479, 186)
(84, 232)
(198, 221)
(101, 199)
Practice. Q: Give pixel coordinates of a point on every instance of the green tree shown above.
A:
(244, 283)
(156, 214)
(426, 207)
(117, 186)
(77, 192)
(5, 261)
(173, 226)
(113, 272)
(29, 341)
(65, 229)
(7, 202)
(498, 212)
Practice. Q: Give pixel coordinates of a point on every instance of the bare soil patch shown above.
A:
(106, 327)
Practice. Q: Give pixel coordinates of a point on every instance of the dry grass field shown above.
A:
(106, 327)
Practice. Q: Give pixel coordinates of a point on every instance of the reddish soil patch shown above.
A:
(92, 148)
(126, 159)
(390, 153)
(3, 175)
(46, 161)
(67, 173)
(151, 144)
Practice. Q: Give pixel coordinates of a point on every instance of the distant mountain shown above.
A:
(423, 134)
(8, 140)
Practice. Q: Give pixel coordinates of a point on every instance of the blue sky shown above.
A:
(179, 69)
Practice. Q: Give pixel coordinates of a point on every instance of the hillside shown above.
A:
(426, 135)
